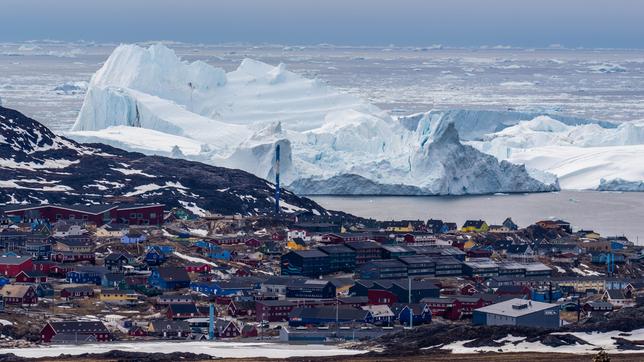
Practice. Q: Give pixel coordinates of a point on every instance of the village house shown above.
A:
(165, 328)
(273, 310)
(169, 278)
(166, 299)
(198, 267)
(114, 231)
(133, 237)
(75, 331)
(19, 295)
(475, 226)
(77, 292)
(65, 229)
(74, 245)
(116, 261)
(86, 274)
(226, 328)
(12, 265)
(183, 311)
(619, 298)
(120, 297)
(416, 313)
(31, 276)
(241, 308)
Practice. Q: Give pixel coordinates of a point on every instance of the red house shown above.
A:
(226, 329)
(454, 308)
(12, 265)
(378, 296)
(252, 242)
(79, 329)
(198, 268)
(19, 294)
(77, 292)
(332, 239)
(73, 257)
(31, 276)
(240, 308)
(44, 266)
(61, 269)
(137, 331)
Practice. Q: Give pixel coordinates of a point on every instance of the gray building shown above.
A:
(518, 312)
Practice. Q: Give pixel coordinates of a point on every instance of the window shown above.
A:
(133, 215)
(153, 215)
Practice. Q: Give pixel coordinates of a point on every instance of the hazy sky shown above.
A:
(530, 23)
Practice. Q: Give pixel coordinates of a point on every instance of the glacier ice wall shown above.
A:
(149, 100)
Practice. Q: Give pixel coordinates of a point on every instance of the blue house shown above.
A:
(4, 281)
(133, 237)
(601, 258)
(219, 253)
(166, 249)
(86, 275)
(420, 312)
(543, 295)
(155, 256)
(169, 278)
(234, 287)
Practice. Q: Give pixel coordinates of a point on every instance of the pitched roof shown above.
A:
(15, 290)
(13, 259)
(80, 327)
(173, 274)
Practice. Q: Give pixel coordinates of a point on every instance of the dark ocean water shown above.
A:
(609, 213)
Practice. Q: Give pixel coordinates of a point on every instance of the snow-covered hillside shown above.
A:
(150, 101)
(580, 155)
(38, 166)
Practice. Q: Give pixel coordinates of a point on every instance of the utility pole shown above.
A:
(277, 179)
(411, 310)
(337, 315)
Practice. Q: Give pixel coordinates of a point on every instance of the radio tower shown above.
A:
(277, 179)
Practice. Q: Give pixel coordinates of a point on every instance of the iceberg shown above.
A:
(582, 156)
(149, 100)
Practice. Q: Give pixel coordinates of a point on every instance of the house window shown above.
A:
(59, 216)
(133, 215)
(153, 215)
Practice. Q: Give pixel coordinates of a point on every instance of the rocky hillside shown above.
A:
(39, 166)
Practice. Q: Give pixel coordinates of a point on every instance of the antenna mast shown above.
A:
(277, 179)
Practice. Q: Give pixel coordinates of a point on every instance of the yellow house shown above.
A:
(109, 231)
(475, 226)
(469, 245)
(296, 244)
(399, 226)
(118, 296)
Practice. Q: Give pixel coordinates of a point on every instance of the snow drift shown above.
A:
(149, 100)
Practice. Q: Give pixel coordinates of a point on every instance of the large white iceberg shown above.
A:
(151, 101)
(586, 156)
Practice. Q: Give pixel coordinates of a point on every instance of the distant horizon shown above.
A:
(590, 24)
(419, 47)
